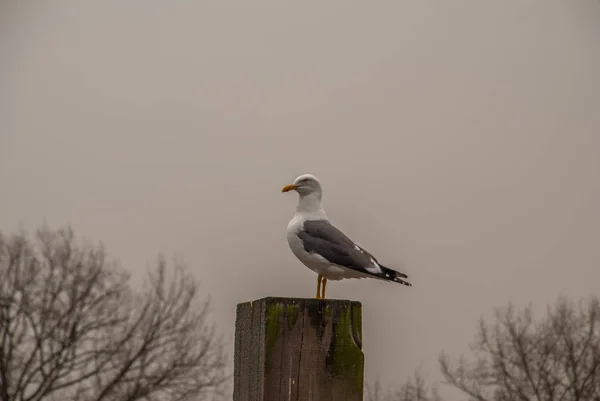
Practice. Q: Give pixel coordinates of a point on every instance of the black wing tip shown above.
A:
(400, 281)
(395, 276)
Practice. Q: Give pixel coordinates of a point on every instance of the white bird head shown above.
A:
(306, 184)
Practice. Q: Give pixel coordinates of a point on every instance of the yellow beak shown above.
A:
(288, 188)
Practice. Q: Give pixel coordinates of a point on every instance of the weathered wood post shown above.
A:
(297, 349)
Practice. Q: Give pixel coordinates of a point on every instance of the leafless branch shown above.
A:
(415, 388)
(72, 327)
(521, 359)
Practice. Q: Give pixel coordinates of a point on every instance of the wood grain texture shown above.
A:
(297, 349)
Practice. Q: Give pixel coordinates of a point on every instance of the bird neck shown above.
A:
(310, 204)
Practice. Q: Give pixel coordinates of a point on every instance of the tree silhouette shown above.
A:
(415, 388)
(520, 359)
(73, 328)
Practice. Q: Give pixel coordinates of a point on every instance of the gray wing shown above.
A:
(321, 237)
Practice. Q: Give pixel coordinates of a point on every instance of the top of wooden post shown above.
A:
(298, 349)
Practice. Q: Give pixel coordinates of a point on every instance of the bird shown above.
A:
(325, 249)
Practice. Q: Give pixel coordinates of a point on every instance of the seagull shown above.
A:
(324, 249)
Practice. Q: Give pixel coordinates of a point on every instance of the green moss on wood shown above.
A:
(273, 312)
(345, 357)
(291, 315)
(357, 325)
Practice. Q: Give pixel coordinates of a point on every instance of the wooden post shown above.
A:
(296, 349)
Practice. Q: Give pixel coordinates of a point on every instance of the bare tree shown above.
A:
(415, 388)
(519, 358)
(73, 328)
(376, 393)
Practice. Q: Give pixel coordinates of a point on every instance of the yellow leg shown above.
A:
(324, 285)
(319, 287)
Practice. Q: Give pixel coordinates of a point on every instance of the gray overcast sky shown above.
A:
(457, 140)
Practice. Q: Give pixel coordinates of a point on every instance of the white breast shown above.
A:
(294, 226)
